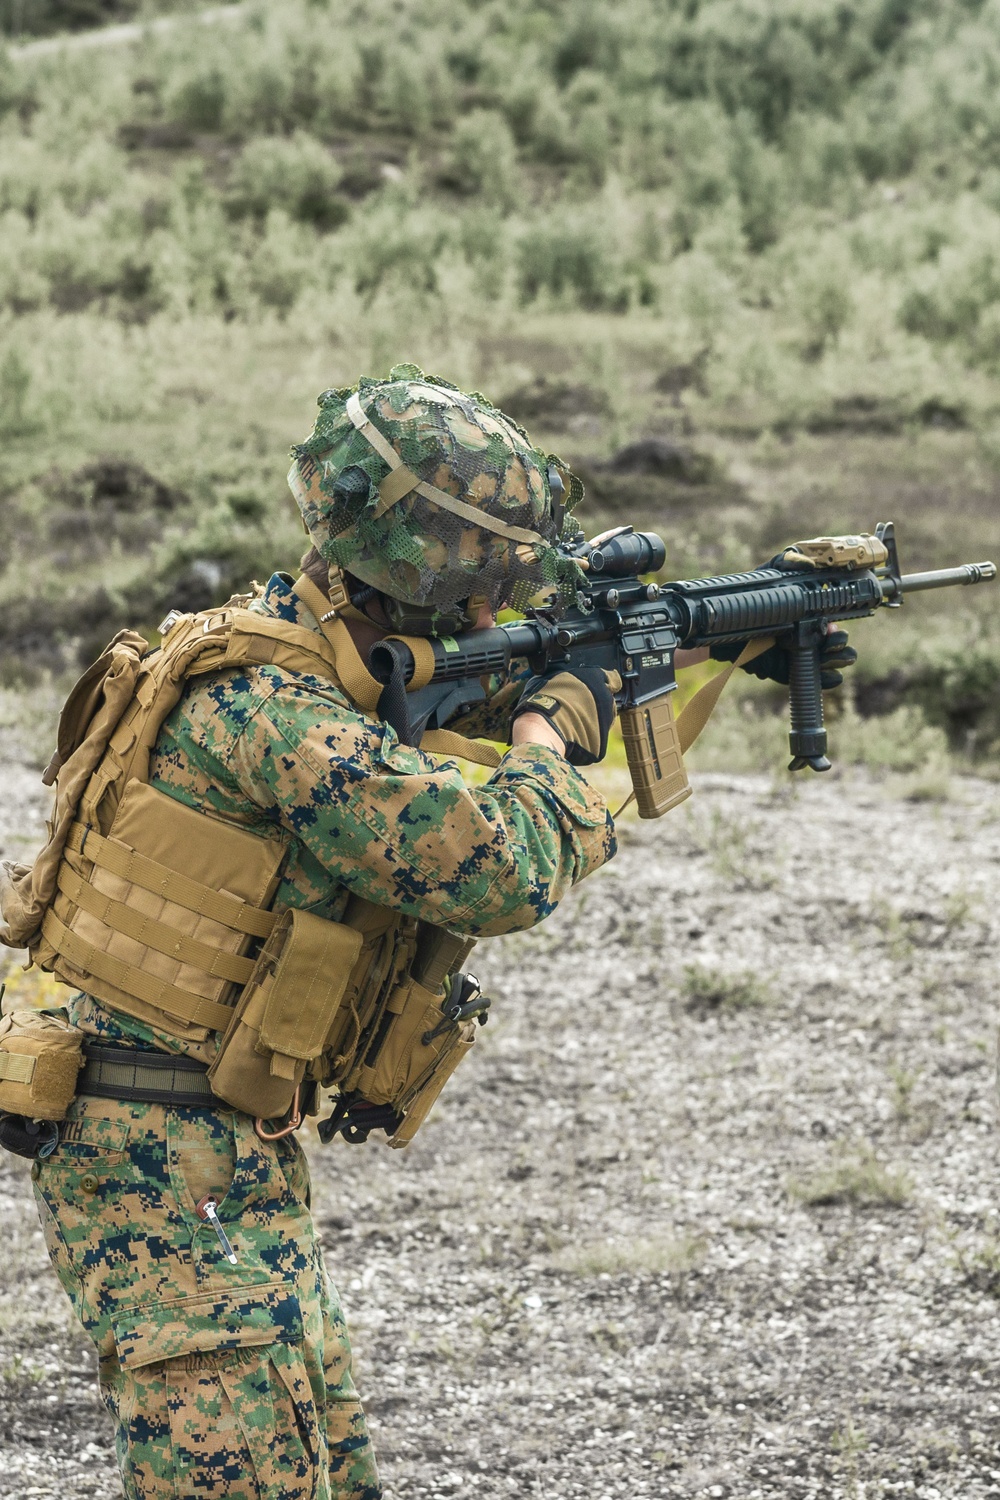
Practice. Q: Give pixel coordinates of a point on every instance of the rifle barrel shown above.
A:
(913, 583)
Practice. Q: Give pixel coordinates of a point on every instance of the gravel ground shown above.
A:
(711, 1213)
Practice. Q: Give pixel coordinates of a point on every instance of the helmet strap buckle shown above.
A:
(339, 597)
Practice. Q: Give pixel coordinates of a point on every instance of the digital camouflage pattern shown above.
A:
(224, 1382)
(267, 748)
(235, 1380)
(417, 550)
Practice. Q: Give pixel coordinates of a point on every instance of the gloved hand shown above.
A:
(774, 664)
(579, 704)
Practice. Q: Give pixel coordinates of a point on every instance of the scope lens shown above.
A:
(637, 552)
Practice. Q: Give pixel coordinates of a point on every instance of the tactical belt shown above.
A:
(135, 1076)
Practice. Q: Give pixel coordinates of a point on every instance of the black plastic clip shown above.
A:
(355, 1119)
(463, 1002)
(35, 1139)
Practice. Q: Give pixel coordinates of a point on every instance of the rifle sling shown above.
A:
(698, 710)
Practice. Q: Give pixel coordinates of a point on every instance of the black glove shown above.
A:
(774, 664)
(579, 704)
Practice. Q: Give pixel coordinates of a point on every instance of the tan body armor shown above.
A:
(159, 911)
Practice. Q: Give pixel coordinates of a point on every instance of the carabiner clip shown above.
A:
(294, 1120)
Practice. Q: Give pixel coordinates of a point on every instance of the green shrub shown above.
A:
(960, 692)
(15, 387)
(397, 246)
(280, 266)
(415, 91)
(297, 174)
(199, 101)
(483, 159)
(259, 97)
(707, 989)
(856, 1179)
(570, 262)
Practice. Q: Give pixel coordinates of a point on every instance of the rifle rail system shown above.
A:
(622, 622)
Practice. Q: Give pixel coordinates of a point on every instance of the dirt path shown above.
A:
(713, 1212)
(129, 31)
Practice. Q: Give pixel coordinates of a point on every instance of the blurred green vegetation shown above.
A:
(739, 260)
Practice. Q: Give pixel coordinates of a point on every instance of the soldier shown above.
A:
(180, 1230)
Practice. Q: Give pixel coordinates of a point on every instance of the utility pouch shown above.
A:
(288, 1014)
(40, 1057)
(414, 1049)
(422, 1094)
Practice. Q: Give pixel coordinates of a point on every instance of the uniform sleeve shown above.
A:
(402, 829)
(491, 720)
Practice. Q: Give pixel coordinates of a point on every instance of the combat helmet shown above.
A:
(433, 498)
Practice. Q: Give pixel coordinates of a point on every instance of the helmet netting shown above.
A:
(417, 550)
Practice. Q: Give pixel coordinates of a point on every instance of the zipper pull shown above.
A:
(206, 1209)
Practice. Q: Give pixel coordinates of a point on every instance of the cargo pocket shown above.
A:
(211, 1397)
(207, 1322)
(238, 1424)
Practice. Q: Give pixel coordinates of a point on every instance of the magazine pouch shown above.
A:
(287, 1013)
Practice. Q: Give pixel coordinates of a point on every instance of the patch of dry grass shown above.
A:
(666, 1256)
(710, 989)
(858, 1179)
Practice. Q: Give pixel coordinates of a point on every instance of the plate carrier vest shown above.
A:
(164, 913)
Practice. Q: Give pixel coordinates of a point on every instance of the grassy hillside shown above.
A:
(764, 232)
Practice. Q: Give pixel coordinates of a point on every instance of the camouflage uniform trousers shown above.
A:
(222, 1380)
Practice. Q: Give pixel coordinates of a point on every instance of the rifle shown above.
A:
(622, 623)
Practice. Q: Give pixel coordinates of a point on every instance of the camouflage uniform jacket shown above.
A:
(268, 748)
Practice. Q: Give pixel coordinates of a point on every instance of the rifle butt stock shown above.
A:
(655, 760)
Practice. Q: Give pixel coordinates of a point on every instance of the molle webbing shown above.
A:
(144, 937)
(171, 884)
(154, 934)
(94, 964)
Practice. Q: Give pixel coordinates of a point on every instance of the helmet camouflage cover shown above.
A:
(431, 495)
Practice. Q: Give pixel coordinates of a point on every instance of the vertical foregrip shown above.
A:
(807, 737)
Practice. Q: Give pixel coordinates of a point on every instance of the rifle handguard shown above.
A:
(655, 762)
